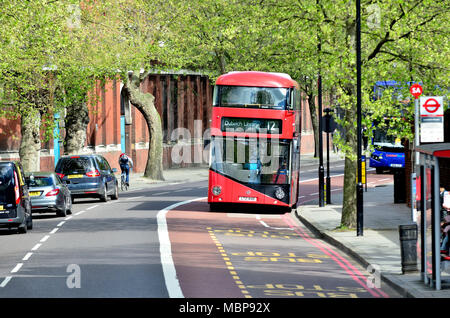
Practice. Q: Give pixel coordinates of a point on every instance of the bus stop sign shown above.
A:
(416, 90)
(431, 119)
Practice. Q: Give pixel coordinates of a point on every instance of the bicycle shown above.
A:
(123, 183)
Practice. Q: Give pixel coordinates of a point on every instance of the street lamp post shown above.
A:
(329, 127)
(319, 96)
(359, 188)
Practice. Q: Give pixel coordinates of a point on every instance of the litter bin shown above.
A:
(399, 186)
(408, 247)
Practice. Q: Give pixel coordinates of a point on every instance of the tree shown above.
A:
(28, 45)
(283, 37)
(126, 39)
(389, 52)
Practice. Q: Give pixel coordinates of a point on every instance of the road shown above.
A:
(163, 242)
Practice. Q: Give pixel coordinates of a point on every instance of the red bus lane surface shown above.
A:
(248, 253)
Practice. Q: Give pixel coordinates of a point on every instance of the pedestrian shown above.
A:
(125, 163)
(445, 223)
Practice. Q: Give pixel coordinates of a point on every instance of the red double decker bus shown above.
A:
(255, 140)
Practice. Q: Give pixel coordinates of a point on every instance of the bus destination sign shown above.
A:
(257, 125)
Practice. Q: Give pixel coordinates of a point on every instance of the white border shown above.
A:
(165, 250)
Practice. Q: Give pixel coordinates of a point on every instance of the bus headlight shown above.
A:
(377, 157)
(216, 190)
(279, 193)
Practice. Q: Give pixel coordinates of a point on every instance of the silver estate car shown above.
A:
(48, 193)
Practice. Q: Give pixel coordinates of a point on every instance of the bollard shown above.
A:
(408, 247)
(399, 186)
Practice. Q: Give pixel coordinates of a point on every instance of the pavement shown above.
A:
(379, 245)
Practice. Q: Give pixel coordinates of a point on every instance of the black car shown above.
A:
(88, 176)
(15, 206)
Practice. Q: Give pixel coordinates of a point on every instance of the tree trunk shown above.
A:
(314, 122)
(76, 122)
(349, 204)
(30, 144)
(145, 103)
(348, 218)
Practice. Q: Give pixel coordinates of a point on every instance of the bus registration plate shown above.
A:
(251, 199)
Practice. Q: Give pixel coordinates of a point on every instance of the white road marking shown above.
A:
(165, 249)
(5, 281)
(36, 246)
(134, 198)
(258, 217)
(314, 179)
(27, 256)
(45, 238)
(54, 230)
(16, 269)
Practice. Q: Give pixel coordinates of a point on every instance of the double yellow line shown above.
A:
(229, 265)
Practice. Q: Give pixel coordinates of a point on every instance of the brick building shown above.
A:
(183, 101)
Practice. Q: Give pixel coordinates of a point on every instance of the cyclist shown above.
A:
(125, 163)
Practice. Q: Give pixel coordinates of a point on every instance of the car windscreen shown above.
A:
(40, 181)
(74, 165)
(7, 195)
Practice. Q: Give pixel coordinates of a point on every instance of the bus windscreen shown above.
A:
(257, 97)
(251, 160)
(384, 142)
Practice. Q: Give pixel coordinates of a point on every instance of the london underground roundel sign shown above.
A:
(431, 105)
(416, 90)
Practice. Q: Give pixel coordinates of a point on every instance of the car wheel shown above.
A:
(23, 227)
(63, 211)
(30, 222)
(104, 195)
(69, 204)
(115, 196)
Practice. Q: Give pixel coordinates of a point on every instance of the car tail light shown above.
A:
(93, 173)
(52, 193)
(16, 188)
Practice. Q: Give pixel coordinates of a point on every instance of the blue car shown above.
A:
(88, 176)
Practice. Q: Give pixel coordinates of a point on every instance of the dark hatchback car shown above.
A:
(88, 176)
(15, 206)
